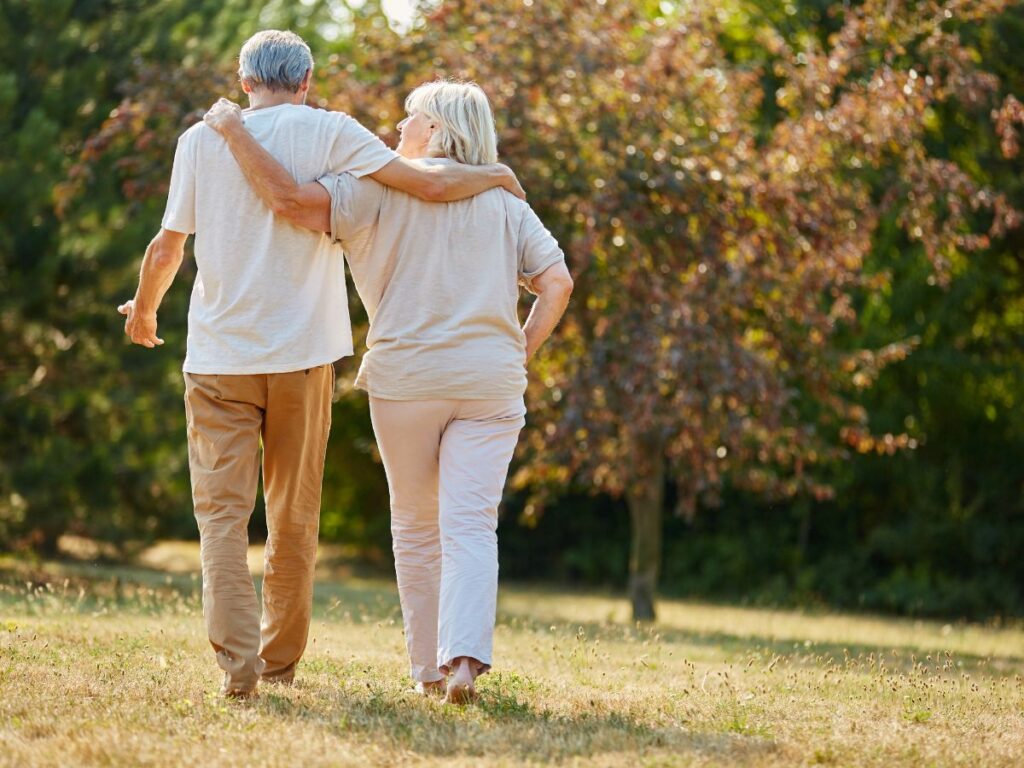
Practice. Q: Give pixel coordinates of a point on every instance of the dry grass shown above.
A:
(110, 666)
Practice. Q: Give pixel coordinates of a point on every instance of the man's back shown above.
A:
(269, 297)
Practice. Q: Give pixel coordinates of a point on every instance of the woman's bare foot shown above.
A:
(461, 688)
(431, 688)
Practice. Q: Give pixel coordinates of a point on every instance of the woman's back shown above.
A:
(440, 285)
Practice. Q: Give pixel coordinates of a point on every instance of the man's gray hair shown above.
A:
(274, 59)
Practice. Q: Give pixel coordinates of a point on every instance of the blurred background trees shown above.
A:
(793, 361)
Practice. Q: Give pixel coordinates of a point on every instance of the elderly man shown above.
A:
(268, 316)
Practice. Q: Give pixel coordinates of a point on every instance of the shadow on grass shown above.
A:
(504, 723)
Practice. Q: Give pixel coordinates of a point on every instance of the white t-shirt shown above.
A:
(269, 297)
(440, 282)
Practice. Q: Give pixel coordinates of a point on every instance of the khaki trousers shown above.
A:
(446, 462)
(228, 418)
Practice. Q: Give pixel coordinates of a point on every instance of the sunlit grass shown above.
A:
(111, 666)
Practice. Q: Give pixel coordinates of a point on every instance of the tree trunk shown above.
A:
(645, 498)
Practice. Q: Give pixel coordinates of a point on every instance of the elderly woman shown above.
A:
(445, 366)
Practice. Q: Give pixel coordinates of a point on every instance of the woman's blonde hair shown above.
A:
(465, 125)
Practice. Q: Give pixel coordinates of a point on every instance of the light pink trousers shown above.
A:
(446, 462)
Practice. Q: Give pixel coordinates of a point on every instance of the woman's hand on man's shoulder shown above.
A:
(223, 116)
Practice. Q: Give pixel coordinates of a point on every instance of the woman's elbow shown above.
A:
(561, 285)
(287, 207)
(282, 205)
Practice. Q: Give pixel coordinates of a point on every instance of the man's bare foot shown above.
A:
(461, 688)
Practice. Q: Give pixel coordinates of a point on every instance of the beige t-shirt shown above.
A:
(269, 297)
(440, 282)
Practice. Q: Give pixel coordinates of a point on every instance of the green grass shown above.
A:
(110, 666)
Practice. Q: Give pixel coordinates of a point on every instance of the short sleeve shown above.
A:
(355, 204)
(355, 150)
(537, 247)
(180, 213)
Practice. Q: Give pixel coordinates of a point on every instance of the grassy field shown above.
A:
(110, 666)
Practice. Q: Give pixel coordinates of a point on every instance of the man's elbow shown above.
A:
(434, 190)
(166, 261)
(165, 257)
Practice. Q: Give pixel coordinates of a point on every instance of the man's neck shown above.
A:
(262, 99)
